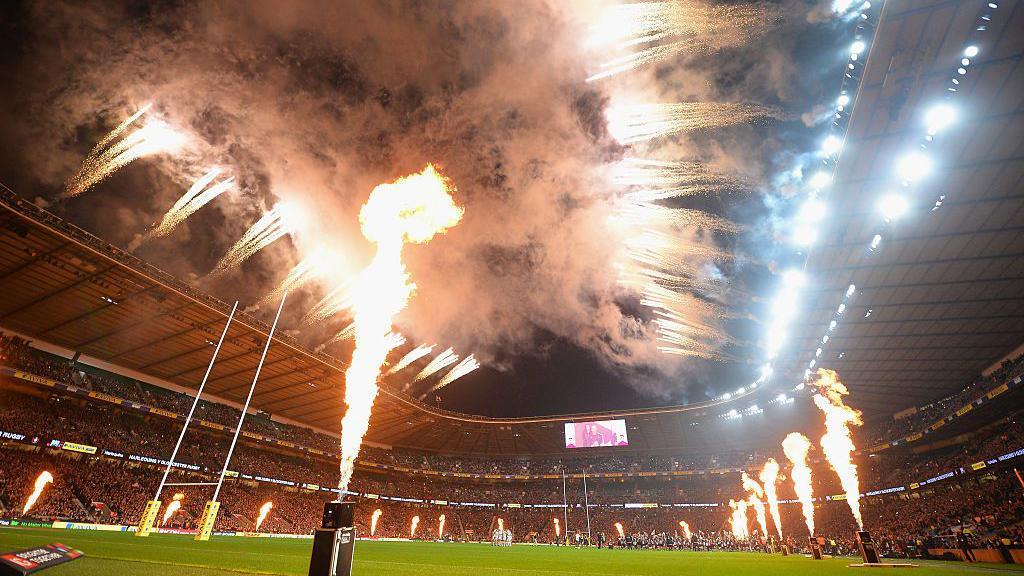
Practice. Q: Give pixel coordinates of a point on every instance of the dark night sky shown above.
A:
(320, 102)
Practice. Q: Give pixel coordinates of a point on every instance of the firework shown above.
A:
(264, 511)
(412, 209)
(769, 479)
(738, 520)
(44, 478)
(339, 299)
(319, 264)
(558, 528)
(373, 521)
(658, 30)
(837, 444)
(195, 198)
(173, 506)
(686, 529)
(275, 224)
(796, 446)
(654, 180)
(467, 365)
(413, 525)
(641, 122)
(446, 358)
(440, 527)
(756, 501)
(118, 149)
(619, 529)
(412, 356)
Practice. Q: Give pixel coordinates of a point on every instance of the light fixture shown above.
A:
(820, 180)
(938, 117)
(971, 51)
(831, 145)
(914, 166)
(857, 47)
(893, 206)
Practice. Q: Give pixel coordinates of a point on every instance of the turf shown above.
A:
(110, 553)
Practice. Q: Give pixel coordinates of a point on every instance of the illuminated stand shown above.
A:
(334, 542)
(152, 508)
(213, 506)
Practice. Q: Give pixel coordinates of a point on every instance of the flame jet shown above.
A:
(796, 446)
(756, 501)
(44, 478)
(440, 527)
(837, 443)
(413, 525)
(411, 209)
(738, 520)
(619, 529)
(686, 529)
(373, 521)
(558, 528)
(264, 511)
(769, 479)
(172, 507)
(117, 150)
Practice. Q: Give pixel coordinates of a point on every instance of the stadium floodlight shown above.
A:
(914, 166)
(857, 47)
(820, 180)
(726, 396)
(805, 236)
(793, 278)
(971, 51)
(938, 117)
(893, 206)
(850, 290)
(843, 100)
(831, 145)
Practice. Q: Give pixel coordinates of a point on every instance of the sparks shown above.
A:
(467, 365)
(755, 499)
(412, 209)
(686, 529)
(738, 520)
(117, 150)
(339, 299)
(837, 443)
(440, 527)
(173, 506)
(446, 358)
(318, 265)
(796, 446)
(619, 529)
(264, 511)
(42, 480)
(413, 525)
(769, 479)
(373, 521)
(275, 224)
(412, 356)
(653, 180)
(199, 195)
(641, 122)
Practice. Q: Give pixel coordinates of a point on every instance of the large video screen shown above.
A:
(596, 434)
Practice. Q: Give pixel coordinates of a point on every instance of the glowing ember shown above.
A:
(440, 527)
(686, 529)
(738, 520)
(373, 521)
(42, 480)
(619, 529)
(837, 443)
(769, 479)
(413, 525)
(337, 300)
(755, 500)
(412, 209)
(117, 150)
(172, 507)
(796, 446)
(264, 511)
(200, 194)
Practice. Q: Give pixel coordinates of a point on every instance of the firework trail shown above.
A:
(467, 365)
(618, 528)
(769, 478)
(558, 528)
(272, 226)
(413, 525)
(796, 446)
(411, 209)
(317, 265)
(756, 500)
(172, 507)
(682, 26)
(440, 527)
(195, 198)
(446, 358)
(42, 480)
(412, 356)
(686, 529)
(264, 511)
(118, 149)
(659, 180)
(338, 300)
(641, 122)
(738, 520)
(837, 444)
(373, 521)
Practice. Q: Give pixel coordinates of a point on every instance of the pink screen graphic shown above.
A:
(596, 434)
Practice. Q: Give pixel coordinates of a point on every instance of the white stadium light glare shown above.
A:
(831, 145)
(939, 117)
(817, 352)
(820, 180)
(781, 398)
(841, 309)
(793, 278)
(824, 339)
(857, 47)
(805, 236)
(726, 396)
(971, 51)
(893, 206)
(832, 325)
(914, 166)
(843, 100)
(850, 290)
(876, 241)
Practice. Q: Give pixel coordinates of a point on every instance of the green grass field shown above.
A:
(113, 553)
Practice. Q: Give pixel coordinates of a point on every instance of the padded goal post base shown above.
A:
(149, 514)
(207, 521)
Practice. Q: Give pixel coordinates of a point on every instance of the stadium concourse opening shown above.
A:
(585, 288)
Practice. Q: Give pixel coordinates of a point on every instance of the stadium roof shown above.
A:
(946, 287)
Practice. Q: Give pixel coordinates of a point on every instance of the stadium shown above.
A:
(495, 287)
